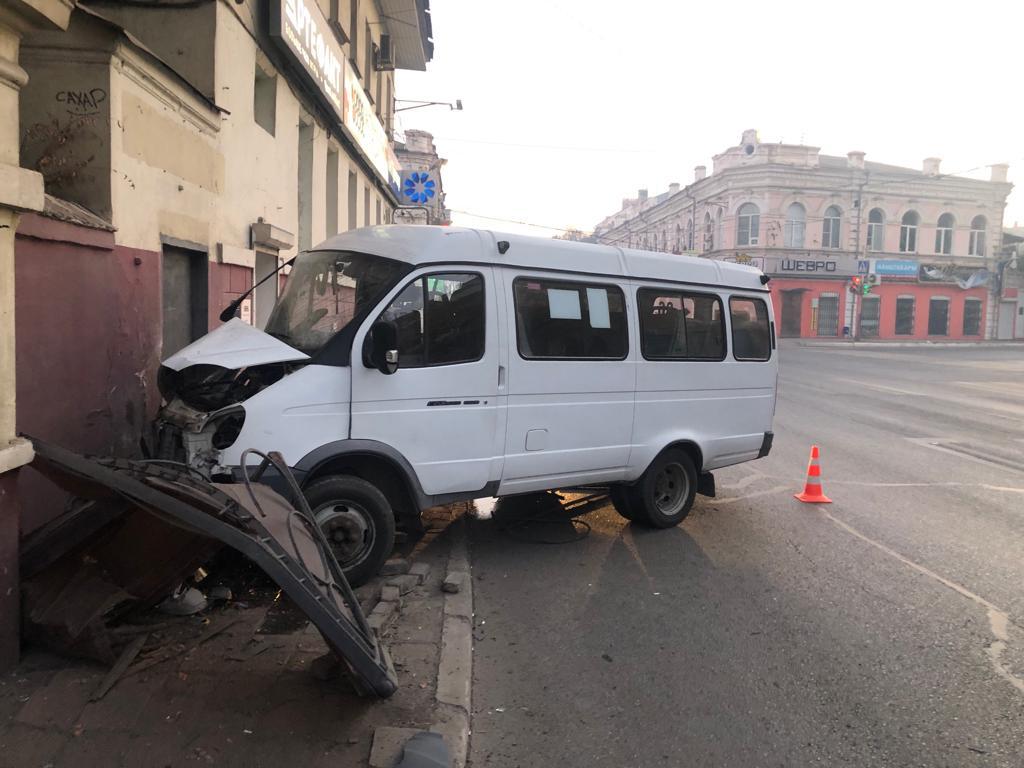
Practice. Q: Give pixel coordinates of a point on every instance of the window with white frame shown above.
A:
(944, 234)
(748, 225)
(908, 232)
(876, 230)
(830, 227)
(796, 225)
(976, 247)
(689, 235)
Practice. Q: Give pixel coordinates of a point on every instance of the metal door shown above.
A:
(828, 315)
(184, 296)
(938, 317)
(869, 317)
(792, 302)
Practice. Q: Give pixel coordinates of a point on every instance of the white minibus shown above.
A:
(408, 366)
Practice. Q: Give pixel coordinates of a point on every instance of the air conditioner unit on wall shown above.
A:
(754, 241)
(384, 54)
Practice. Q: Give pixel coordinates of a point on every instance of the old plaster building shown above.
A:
(812, 222)
(186, 150)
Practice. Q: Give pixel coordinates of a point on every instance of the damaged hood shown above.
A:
(236, 344)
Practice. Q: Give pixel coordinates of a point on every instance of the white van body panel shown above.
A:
(447, 421)
(303, 411)
(569, 421)
(235, 344)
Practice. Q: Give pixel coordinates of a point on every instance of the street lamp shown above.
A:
(456, 107)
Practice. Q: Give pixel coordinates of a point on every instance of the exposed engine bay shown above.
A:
(202, 412)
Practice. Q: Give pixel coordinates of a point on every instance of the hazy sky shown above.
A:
(572, 105)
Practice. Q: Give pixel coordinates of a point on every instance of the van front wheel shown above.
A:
(665, 493)
(357, 521)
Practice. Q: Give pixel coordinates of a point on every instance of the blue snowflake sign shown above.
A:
(419, 187)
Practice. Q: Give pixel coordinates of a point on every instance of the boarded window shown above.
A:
(751, 329)
(676, 325)
(566, 320)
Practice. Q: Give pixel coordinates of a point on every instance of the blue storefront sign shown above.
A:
(896, 267)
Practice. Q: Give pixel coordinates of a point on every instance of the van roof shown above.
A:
(423, 245)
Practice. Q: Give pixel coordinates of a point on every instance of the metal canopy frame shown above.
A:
(254, 520)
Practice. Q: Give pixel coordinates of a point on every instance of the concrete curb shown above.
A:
(455, 670)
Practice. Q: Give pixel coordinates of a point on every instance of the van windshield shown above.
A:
(325, 291)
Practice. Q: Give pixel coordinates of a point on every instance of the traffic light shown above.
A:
(857, 284)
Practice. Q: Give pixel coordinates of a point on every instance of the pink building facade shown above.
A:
(929, 243)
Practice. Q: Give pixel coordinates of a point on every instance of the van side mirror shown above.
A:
(383, 349)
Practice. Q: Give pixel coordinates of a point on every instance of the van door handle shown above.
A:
(501, 377)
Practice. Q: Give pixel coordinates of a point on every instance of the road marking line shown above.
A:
(733, 499)
(998, 619)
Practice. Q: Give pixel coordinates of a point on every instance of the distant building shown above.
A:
(1011, 285)
(421, 200)
(813, 221)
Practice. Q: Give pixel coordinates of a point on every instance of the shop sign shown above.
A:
(750, 261)
(362, 123)
(300, 28)
(812, 265)
(895, 267)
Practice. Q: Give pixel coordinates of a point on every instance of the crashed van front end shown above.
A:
(205, 386)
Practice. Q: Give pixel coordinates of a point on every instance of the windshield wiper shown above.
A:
(230, 309)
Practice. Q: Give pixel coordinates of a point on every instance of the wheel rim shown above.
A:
(671, 489)
(349, 530)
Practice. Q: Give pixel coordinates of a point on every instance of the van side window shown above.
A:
(559, 320)
(751, 330)
(680, 326)
(440, 320)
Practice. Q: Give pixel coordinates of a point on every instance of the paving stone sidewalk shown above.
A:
(238, 699)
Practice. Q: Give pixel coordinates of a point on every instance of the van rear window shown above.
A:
(751, 329)
(565, 320)
(676, 325)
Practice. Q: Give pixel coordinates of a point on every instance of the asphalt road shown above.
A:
(886, 629)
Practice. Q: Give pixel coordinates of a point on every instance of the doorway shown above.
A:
(184, 276)
(870, 314)
(828, 314)
(792, 305)
(938, 316)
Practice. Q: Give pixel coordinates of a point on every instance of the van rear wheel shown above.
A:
(620, 496)
(357, 521)
(664, 495)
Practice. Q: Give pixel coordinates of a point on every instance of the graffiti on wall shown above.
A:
(82, 102)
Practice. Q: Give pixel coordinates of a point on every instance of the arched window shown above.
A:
(944, 234)
(830, 228)
(977, 245)
(679, 239)
(709, 233)
(689, 235)
(876, 230)
(796, 223)
(908, 232)
(748, 225)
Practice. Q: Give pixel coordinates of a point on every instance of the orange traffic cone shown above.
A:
(812, 488)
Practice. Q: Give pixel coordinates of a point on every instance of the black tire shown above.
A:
(664, 495)
(620, 497)
(357, 520)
